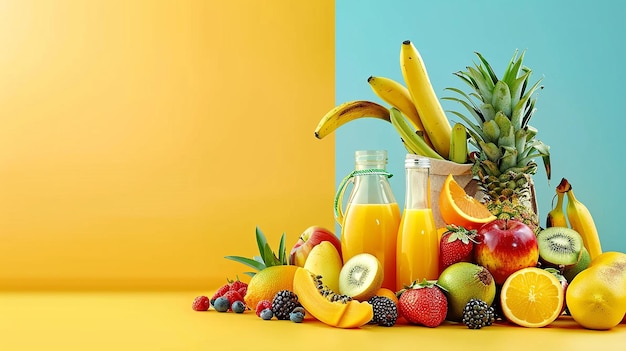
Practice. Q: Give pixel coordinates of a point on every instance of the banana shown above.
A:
(556, 216)
(349, 111)
(458, 143)
(581, 220)
(412, 141)
(423, 95)
(398, 96)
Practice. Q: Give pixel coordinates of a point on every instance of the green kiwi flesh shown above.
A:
(559, 247)
(361, 276)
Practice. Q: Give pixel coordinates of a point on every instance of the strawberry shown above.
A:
(200, 303)
(232, 296)
(242, 291)
(423, 304)
(220, 292)
(457, 245)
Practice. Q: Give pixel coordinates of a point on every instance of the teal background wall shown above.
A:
(576, 46)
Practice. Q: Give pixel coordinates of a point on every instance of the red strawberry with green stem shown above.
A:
(457, 245)
(423, 304)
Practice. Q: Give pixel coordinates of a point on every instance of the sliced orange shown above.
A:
(532, 297)
(457, 207)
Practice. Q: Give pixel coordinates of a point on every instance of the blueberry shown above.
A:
(221, 304)
(296, 317)
(267, 314)
(238, 307)
(299, 309)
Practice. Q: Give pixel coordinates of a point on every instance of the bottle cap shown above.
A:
(416, 161)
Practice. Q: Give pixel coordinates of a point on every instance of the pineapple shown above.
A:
(500, 110)
(266, 257)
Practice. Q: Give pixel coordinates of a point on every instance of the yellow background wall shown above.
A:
(142, 141)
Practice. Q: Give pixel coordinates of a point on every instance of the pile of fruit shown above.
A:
(497, 263)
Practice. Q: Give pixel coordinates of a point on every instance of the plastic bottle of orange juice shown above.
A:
(372, 217)
(417, 252)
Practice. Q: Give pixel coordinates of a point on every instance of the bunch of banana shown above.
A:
(578, 216)
(415, 112)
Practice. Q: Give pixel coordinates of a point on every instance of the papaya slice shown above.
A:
(353, 314)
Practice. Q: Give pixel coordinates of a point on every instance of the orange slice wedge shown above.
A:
(457, 207)
(532, 297)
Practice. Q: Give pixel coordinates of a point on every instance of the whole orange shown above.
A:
(267, 282)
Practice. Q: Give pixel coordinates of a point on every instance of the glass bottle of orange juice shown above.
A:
(371, 219)
(417, 252)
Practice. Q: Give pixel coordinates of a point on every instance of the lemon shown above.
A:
(267, 282)
(596, 297)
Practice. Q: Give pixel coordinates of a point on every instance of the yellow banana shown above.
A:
(398, 96)
(581, 221)
(349, 111)
(556, 216)
(423, 95)
(413, 142)
(458, 144)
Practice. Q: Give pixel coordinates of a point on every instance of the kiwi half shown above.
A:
(559, 247)
(361, 276)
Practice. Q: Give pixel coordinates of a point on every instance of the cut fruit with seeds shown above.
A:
(532, 297)
(361, 276)
(457, 207)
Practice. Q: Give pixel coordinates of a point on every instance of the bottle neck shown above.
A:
(371, 185)
(417, 188)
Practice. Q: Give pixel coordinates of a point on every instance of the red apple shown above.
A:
(308, 239)
(504, 247)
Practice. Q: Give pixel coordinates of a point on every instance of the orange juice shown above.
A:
(417, 252)
(372, 228)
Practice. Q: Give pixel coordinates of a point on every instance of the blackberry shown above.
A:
(385, 311)
(283, 303)
(477, 314)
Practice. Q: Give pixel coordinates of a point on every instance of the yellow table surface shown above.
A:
(38, 320)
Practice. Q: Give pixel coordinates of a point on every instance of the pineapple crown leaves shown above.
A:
(266, 258)
(460, 233)
(501, 111)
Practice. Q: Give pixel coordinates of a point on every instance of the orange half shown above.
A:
(532, 297)
(457, 207)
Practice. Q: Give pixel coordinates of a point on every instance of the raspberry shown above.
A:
(242, 291)
(220, 292)
(200, 303)
(263, 304)
(232, 296)
(237, 284)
